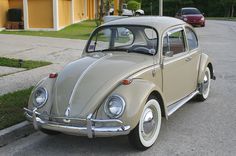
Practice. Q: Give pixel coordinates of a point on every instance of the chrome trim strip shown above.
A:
(107, 121)
(174, 107)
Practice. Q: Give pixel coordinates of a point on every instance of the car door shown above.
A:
(177, 82)
(194, 56)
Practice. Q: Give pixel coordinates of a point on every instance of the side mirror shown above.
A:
(203, 13)
(169, 53)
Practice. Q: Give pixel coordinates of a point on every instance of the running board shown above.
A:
(174, 107)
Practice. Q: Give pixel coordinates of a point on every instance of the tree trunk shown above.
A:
(101, 9)
(229, 11)
(107, 7)
(232, 10)
(120, 7)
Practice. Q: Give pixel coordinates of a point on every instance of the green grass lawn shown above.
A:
(27, 64)
(222, 18)
(76, 31)
(11, 107)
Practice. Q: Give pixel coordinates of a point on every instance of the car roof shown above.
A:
(189, 8)
(160, 23)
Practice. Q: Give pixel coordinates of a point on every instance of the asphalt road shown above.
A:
(197, 129)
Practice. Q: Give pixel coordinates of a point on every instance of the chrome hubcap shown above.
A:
(206, 83)
(149, 123)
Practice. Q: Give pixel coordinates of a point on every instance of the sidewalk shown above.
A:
(55, 50)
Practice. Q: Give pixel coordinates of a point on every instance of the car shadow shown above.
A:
(71, 145)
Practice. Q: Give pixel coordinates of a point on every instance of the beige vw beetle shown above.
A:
(133, 72)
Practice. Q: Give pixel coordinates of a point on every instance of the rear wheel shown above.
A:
(146, 132)
(205, 88)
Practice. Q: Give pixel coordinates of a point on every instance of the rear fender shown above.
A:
(204, 63)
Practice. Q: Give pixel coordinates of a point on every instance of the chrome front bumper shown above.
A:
(89, 130)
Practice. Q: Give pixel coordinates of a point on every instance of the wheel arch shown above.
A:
(210, 66)
(159, 98)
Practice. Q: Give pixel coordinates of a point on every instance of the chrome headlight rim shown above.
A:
(37, 105)
(108, 113)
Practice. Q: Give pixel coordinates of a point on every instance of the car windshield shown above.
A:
(138, 39)
(190, 11)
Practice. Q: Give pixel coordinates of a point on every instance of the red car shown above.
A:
(192, 16)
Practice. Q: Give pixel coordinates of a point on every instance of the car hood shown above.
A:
(84, 84)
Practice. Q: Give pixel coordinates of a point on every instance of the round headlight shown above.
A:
(185, 19)
(114, 106)
(40, 97)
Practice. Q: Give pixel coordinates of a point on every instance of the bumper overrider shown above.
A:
(42, 121)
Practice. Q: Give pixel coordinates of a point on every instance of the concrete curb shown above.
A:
(15, 132)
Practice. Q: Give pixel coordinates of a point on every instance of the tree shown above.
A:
(215, 8)
(231, 4)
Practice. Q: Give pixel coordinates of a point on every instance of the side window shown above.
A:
(166, 47)
(176, 42)
(192, 39)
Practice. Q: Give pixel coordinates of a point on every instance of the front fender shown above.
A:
(48, 84)
(135, 96)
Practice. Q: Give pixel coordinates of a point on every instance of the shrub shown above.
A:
(133, 5)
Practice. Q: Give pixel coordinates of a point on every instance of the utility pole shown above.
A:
(160, 7)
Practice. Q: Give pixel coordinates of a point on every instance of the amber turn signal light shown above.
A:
(126, 81)
(53, 75)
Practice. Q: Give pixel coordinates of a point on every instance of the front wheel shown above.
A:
(205, 87)
(146, 132)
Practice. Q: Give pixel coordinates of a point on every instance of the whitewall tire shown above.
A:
(146, 132)
(206, 85)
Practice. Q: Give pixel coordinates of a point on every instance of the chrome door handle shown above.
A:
(188, 59)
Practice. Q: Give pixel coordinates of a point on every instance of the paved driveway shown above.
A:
(197, 129)
(57, 51)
